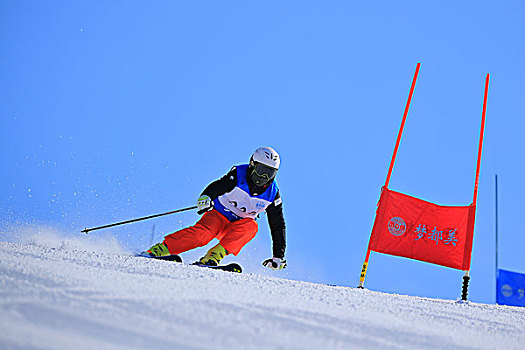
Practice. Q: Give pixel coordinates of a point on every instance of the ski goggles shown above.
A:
(262, 174)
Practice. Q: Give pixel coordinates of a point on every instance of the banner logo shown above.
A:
(397, 226)
(506, 290)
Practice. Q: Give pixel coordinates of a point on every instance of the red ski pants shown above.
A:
(232, 235)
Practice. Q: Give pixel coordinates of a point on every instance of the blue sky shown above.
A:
(112, 110)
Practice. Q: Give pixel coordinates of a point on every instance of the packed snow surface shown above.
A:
(59, 295)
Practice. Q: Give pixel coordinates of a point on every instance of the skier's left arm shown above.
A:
(278, 231)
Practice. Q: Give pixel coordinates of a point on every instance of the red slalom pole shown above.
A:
(402, 125)
(367, 257)
(466, 277)
(476, 182)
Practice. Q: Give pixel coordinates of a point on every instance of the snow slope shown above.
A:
(56, 294)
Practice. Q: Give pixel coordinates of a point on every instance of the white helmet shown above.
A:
(264, 164)
(267, 156)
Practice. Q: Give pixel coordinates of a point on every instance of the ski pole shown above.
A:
(86, 230)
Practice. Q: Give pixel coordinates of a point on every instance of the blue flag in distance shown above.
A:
(510, 288)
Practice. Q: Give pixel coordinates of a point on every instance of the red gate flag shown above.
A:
(413, 228)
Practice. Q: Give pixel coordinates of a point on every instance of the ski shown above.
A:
(232, 267)
(173, 257)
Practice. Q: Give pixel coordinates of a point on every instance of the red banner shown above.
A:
(413, 228)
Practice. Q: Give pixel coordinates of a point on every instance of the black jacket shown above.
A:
(274, 211)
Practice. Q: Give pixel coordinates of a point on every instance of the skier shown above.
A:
(231, 205)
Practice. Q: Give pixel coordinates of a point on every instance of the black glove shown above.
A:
(275, 263)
